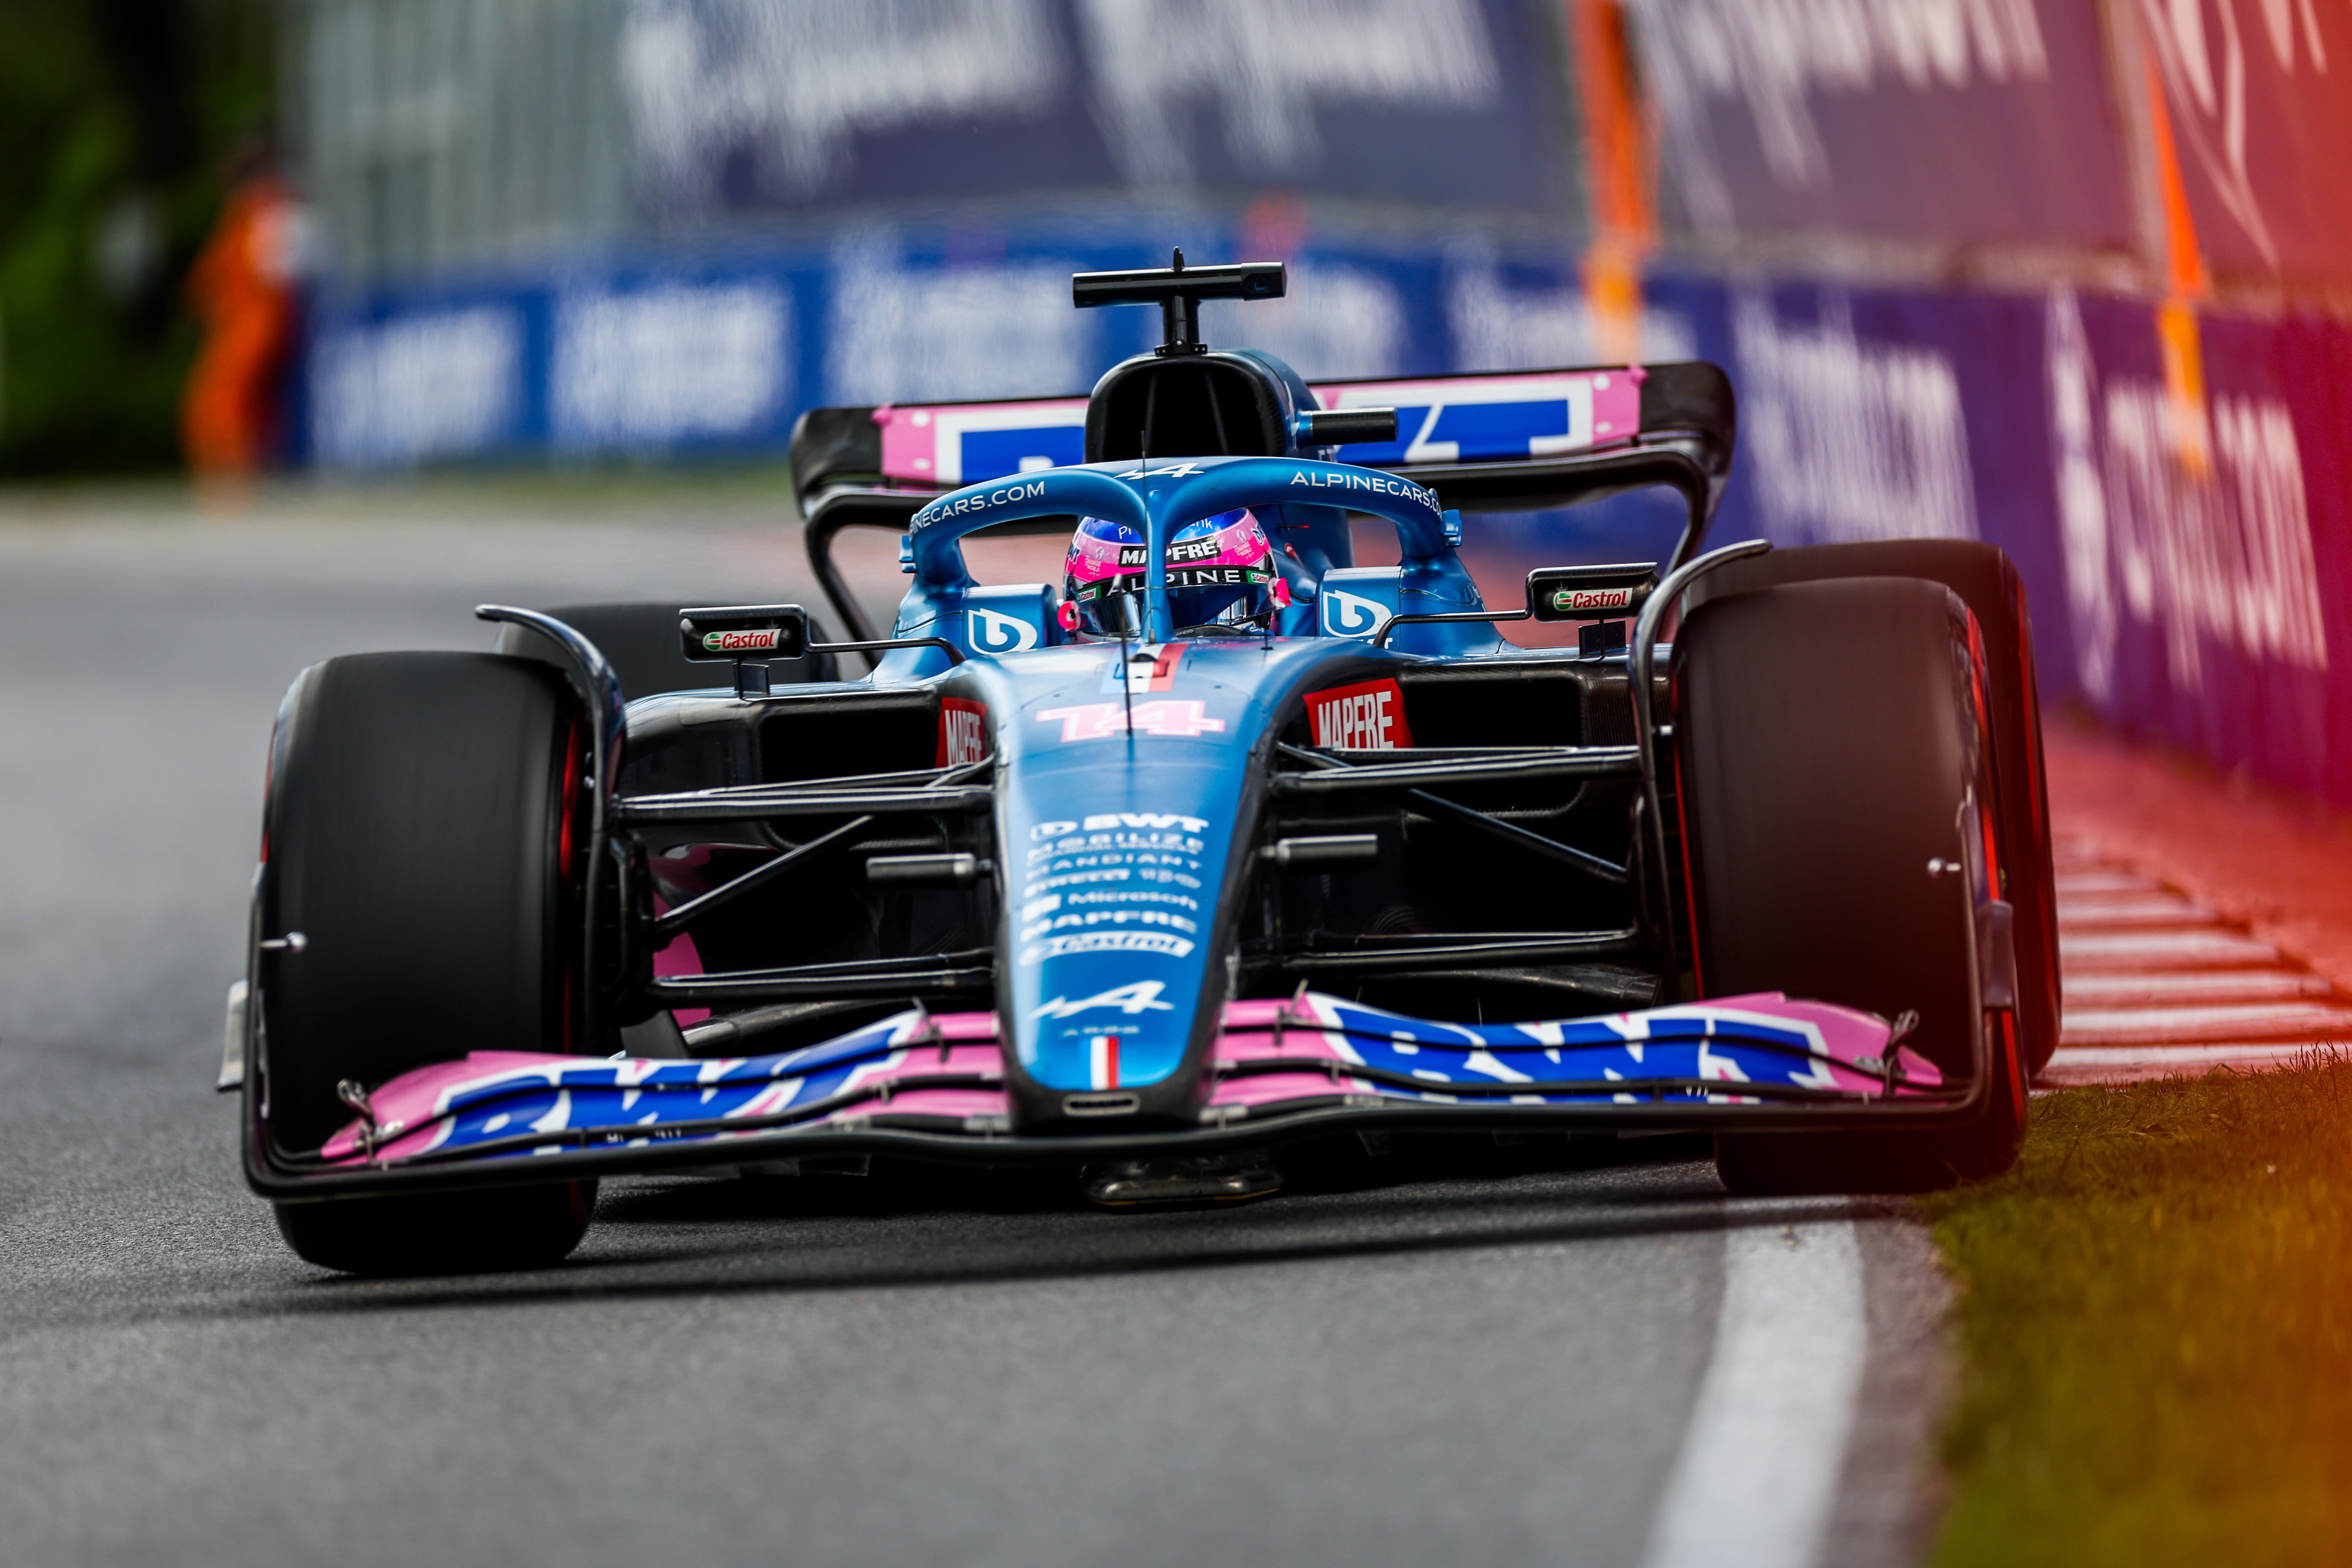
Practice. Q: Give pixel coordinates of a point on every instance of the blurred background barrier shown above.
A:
(2072, 275)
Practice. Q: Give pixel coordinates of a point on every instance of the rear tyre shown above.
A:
(1987, 581)
(640, 641)
(419, 835)
(1827, 746)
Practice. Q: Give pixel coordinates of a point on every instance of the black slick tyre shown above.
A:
(420, 832)
(1987, 581)
(1827, 746)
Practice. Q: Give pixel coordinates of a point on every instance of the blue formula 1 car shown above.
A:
(1222, 845)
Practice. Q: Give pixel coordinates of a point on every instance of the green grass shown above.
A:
(2156, 1329)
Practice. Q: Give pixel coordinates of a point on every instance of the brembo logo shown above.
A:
(763, 640)
(1351, 615)
(1593, 599)
(1366, 718)
(994, 633)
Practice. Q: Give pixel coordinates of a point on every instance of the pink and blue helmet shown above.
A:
(1221, 572)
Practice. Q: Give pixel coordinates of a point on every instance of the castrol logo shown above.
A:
(762, 639)
(1593, 599)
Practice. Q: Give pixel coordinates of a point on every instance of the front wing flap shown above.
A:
(931, 1087)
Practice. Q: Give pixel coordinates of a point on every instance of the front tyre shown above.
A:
(1829, 745)
(422, 833)
(1987, 581)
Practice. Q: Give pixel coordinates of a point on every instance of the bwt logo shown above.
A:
(994, 633)
(1350, 614)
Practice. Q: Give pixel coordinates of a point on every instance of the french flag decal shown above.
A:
(1102, 1061)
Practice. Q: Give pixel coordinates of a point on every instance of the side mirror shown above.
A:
(729, 633)
(1590, 592)
(743, 635)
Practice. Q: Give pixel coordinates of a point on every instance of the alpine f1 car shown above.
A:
(1222, 843)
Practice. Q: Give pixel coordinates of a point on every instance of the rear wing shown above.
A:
(1521, 441)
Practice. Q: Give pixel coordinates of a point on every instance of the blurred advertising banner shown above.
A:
(748, 106)
(2197, 591)
(699, 355)
(2259, 97)
(1968, 121)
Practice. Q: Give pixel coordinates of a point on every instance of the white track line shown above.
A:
(1760, 1463)
(2129, 989)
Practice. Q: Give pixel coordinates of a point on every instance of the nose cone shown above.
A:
(1116, 904)
(1117, 815)
(1110, 945)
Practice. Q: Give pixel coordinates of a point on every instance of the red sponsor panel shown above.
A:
(1367, 717)
(963, 731)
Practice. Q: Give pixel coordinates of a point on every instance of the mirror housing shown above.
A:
(1590, 592)
(730, 633)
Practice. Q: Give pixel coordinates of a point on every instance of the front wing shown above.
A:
(931, 1087)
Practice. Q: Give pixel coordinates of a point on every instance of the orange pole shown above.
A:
(2186, 282)
(1618, 168)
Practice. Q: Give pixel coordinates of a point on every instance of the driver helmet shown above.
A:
(1221, 572)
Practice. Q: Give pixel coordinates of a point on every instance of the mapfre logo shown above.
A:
(994, 632)
(1350, 614)
(963, 731)
(1364, 717)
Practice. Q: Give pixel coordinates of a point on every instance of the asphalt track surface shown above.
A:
(1494, 1360)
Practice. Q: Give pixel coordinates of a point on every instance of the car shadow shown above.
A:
(908, 1228)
